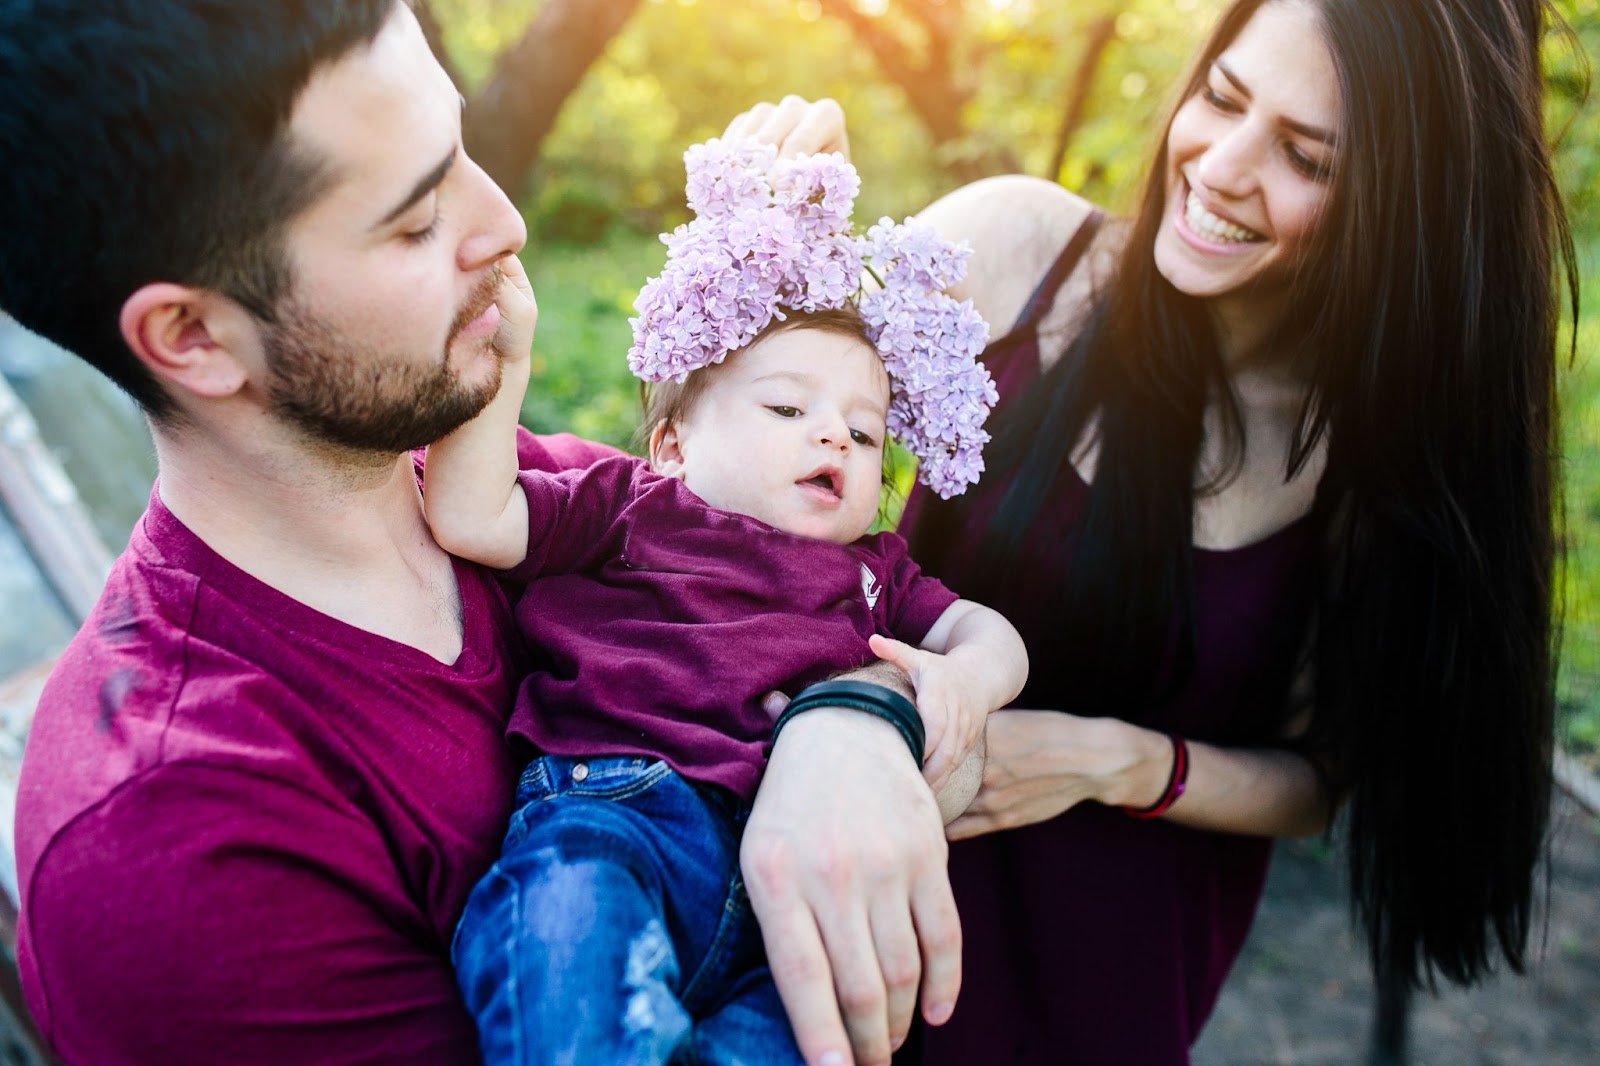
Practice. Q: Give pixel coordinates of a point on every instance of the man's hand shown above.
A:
(844, 859)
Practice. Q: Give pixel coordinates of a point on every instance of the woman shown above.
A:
(1270, 501)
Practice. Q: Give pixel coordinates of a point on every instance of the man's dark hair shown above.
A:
(145, 142)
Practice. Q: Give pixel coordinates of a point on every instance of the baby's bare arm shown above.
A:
(473, 503)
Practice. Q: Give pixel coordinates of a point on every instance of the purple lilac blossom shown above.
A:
(770, 235)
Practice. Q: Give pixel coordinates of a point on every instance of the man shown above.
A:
(269, 769)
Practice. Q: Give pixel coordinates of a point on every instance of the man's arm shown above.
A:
(201, 915)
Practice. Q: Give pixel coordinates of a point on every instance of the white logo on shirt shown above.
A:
(870, 587)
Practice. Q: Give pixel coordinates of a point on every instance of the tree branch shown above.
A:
(434, 34)
(1100, 37)
(930, 86)
(508, 121)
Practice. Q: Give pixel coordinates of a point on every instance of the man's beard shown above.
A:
(354, 396)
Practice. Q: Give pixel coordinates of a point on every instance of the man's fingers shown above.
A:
(900, 960)
(773, 703)
(796, 957)
(858, 984)
(938, 930)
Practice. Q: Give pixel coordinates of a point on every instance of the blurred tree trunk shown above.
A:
(923, 63)
(507, 121)
(435, 37)
(1100, 37)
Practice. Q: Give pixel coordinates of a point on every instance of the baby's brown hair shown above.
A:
(671, 401)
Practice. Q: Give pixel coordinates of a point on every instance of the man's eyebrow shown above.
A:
(429, 182)
(1316, 133)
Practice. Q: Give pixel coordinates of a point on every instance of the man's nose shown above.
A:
(495, 228)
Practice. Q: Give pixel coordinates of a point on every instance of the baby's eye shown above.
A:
(784, 411)
(864, 439)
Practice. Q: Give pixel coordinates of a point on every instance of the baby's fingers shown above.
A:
(519, 311)
(898, 653)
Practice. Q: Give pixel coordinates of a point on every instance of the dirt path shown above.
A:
(1301, 994)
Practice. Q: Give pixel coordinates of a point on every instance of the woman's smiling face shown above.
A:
(1249, 159)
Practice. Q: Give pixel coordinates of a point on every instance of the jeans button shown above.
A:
(580, 772)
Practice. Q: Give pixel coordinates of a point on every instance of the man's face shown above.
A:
(386, 340)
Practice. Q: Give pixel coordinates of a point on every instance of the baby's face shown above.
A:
(789, 431)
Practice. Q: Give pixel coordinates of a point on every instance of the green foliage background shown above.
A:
(610, 179)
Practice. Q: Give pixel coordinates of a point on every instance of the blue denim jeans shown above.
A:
(615, 928)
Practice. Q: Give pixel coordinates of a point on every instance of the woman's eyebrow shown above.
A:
(1305, 129)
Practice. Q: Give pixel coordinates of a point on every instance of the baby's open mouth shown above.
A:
(827, 480)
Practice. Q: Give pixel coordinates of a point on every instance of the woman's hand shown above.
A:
(796, 125)
(1041, 763)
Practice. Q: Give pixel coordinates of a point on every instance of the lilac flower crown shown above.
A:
(772, 235)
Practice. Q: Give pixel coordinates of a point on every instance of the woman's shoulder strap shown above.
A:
(1044, 295)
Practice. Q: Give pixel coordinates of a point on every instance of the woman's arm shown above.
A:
(1041, 763)
(1016, 226)
(474, 506)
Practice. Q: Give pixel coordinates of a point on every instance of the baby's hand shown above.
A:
(949, 698)
(519, 311)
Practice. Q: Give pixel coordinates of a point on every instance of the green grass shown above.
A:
(580, 371)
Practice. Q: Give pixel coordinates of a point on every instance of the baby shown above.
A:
(664, 599)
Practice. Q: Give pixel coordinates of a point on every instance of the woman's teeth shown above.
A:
(1213, 228)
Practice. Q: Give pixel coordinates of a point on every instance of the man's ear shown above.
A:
(190, 339)
(666, 450)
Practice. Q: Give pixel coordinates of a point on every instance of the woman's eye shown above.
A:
(784, 411)
(1305, 164)
(1218, 101)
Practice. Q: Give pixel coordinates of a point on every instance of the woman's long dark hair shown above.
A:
(1430, 314)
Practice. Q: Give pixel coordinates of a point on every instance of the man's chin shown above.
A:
(394, 432)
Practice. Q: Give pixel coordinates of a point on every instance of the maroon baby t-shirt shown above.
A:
(657, 624)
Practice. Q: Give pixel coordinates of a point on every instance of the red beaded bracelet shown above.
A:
(1175, 783)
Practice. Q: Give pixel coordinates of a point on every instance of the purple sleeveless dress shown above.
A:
(1095, 939)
